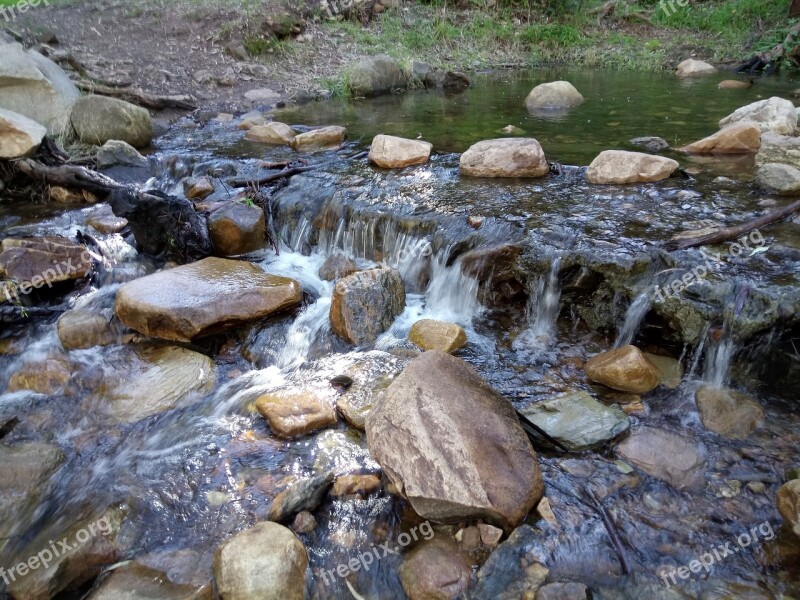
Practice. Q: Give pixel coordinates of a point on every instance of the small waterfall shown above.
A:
(633, 318)
(302, 333)
(544, 305)
(452, 295)
(717, 363)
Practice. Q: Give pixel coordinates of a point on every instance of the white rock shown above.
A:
(19, 135)
(774, 115)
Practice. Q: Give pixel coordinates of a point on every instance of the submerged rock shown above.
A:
(237, 228)
(319, 139)
(435, 569)
(734, 84)
(375, 75)
(437, 335)
(370, 377)
(265, 562)
(366, 303)
(201, 298)
(651, 144)
(390, 152)
(306, 494)
(505, 157)
(694, 68)
(578, 421)
(666, 456)
(511, 572)
(98, 119)
(740, 138)
(274, 133)
(197, 188)
(620, 166)
(292, 414)
(362, 485)
(49, 376)
(82, 328)
(669, 369)
(556, 95)
(139, 582)
(780, 178)
(19, 135)
(774, 115)
(453, 446)
(337, 266)
(788, 499)
(728, 413)
(626, 369)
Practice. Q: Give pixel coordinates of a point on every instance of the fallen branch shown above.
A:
(139, 97)
(68, 176)
(729, 233)
(770, 59)
(240, 182)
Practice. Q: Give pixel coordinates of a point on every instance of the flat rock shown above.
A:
(19, 135)
(625, 369)
(43, 261)
(666, 456)
(274, 134)
(740, 138)
(784, 149)
(734, 84)
(295, 413)
(390, 152)
(729, 413)
(620, 166)
(319, 139)
(437, 335)
(505, 157)
(204, 297)
(423, 434)
(435, 569)
(774, 115)
(694, 68)
(556, 95)
(98, 119)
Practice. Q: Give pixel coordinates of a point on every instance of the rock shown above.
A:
(263, 96)
(42, 261)
(490, 535)
(625, 369)
(155, 380)
(366, 303)
(731, 414)
(437, 335)
(512, 130)
(774, 115)
(669, 369)
(304, 522)
(363, 485)
(19, 135)
(510, 572)
(64, 195)
(390, 152)
(779, 149)
(740, 138)
(694, 68)
(291, 414)
(370, 377)
(780, 178)
(563, 591)
(36, 87)
(456, 81)
(197, 188)
(375, 76)
(453, 446)
(337, 266)
(274, 133)
(578, 421)
(70, 570)
(734, 84)
(81, 328)
(306, 494)
(666, 456)
(319, 139)
(620, 166)
(505, 157)
(469, 538)
(194, 300)
(556, 95)
(788, 499)
(105, 221)
(134, 581)
(237, 228)
(98, 119)
(651, 144)
(435, 569)
(265, 562)
(49, 376)
(250, 120)
(118, 153)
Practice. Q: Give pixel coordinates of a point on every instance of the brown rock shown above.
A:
(671, 372)
(274, 133)
(469, 538)
(49, 376)
(304, 522)
(363, 485)
(237, 228)
(390, 152)
(63, 195)
(366, 303)
(728, 413)
(105, 221)
(43, 261)
(741, 138)
(319, 139)
(666, 456)
(621, 166)
(437, 335)
(435, 569)
(138, 582)
(505, 157)
(788, 500)
(197, 188)
(625, 369)
(490, 535)
(19, 135)
(292, 414)
(194, 300)
(80, 328)
(734, 84)
(337, 266)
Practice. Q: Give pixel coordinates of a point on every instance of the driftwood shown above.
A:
(68, 176)
(729, 233)
(139, 97)
(240, 182)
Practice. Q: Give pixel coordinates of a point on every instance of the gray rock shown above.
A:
(779, 149)
(651, 144)
(510, 573)
(780, 178)
(666, 456)
(139, 582)
(118, 153)
(98, 119)
(375, 76)
(306, 494)
(774, 115)
(578, 421)
(562, 591)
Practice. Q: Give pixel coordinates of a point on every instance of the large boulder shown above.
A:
(237, 228)
(390, 152)
(741, 138)
(435, 569)
(265, 562)
(578, 421)
(453, 446)
(694, 68)
(366, 303)
(201, 298)
(778, 177)
(505, 157)
(620, 166)
(319, 139)
(98, 119)
(437, 335)
(788, 500)
(556, 95)
(36, 87)
(625, 369)
(294, 413)
(667, 456)
(19, 135)
(774, 115)
(375, 75)
(728, 413)
(776, 148)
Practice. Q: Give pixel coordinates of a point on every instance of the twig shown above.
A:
(139, 97)
(612, 533)
(240, 182)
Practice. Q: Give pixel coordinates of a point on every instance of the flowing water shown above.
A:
(196, 473)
